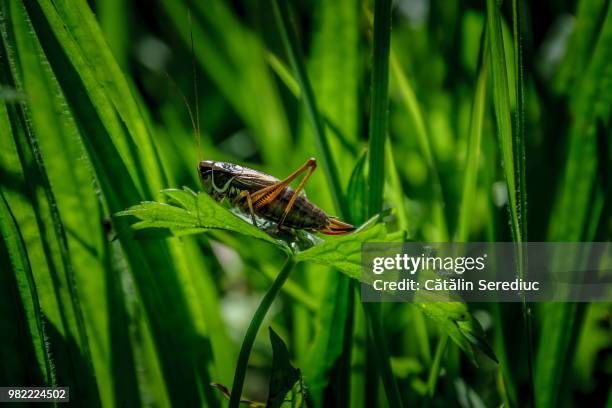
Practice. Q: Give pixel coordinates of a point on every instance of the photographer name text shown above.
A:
(449, 268)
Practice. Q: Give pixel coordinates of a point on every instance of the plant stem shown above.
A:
(434, 372)
(251, 333)
(519, 134)
(380, 103)
(376, 156)
(519, 155)
(372, 312)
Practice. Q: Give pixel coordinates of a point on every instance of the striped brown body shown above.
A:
(303, 214)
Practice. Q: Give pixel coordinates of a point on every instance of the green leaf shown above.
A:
(284, 375)
(454, 319)
(191, 213)
(344, 252)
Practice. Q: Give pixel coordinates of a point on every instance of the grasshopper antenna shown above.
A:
(195, 90)
(189, 111)
(194, 118)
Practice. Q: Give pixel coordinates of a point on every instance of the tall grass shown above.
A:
(580, 196)
(338, 355)
(428, 119)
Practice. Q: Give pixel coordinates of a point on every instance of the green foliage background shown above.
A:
(472, 121)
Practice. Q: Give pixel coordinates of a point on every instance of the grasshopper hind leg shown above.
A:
(268, 194)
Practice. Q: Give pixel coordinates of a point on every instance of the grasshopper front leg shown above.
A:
(246, 195)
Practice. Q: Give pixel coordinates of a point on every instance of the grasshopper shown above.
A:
(261, 194)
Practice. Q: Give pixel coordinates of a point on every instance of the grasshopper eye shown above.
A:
(205, 165)
(205, 170)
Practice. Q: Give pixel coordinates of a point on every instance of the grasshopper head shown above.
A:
(216, 176)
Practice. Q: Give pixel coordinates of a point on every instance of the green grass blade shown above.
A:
(378, 127)
(23, 324)
(380, 344)
(590, 103)
(335, 72)
(511, 136)
(77, 202)
(580, 46)
(413, 108)
(472, 158)
(395, 189)
(379, 105)
(86, 78)
(503, 112)
(28, 73)
(293, 50)
(576, 204)
(81, 23)
(340, 303)
(114, 22)
(42, 119)
(357, 190)
(519, 122)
